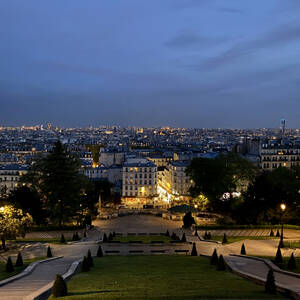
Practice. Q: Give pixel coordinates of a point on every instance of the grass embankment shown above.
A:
(145, 239)
(4, 274)
(160, 277)
(232, 239)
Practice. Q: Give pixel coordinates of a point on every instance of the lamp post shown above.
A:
(282, 209)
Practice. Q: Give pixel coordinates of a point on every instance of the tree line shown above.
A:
(231, 185)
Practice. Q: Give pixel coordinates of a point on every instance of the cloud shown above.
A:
(188, 39)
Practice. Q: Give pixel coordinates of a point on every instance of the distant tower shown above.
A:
(282, 126)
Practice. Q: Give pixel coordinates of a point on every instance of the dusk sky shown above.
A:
(181, 63)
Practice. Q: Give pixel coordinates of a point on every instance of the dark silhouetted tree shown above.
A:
(214, 258)
(19, 261)
(194, 250)
(59, 288)
(270, 286)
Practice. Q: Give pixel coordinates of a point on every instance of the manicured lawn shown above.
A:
(4, 274)
(160, 277)
(232, 239)
(292, 245)
(146, 239)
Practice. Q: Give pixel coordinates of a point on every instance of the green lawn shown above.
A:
(159, 277)
(146, 239)
(232, 239)
(292, 245)
(4, 274)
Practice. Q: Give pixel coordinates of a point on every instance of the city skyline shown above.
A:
(193, 64)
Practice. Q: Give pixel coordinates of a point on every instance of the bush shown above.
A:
(271, 232)
(99, 251)
(174, 236)
(84, 234)
(59, 288)
(104, 240)
(110, 237)
(278, 257)
(188, 220)
(183, 238)
(224, 241)
(205, 235)
(196, 232)
(75, 236)
(243, 249)
(49, 252)
(85, 265)
(90, 258)
(167, 233)
(221, 266)
(194, 250)
(9, 265)
(19, 261)
(292, 262)
(214, 258)
(114, 234)
(277, 233)
(209, 236)
(270, 286)
(62, 239)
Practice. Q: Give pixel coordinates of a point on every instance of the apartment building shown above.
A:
(10, 175)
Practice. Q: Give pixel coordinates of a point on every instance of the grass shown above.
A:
(292, 245)
(146, 239)
(233, 239)
(160, 277)
(4, 274)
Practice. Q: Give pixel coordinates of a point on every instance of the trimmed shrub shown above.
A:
(49, 252)
(292, 262)
(9, 265)
(196, 232)
(205, 235)
(188, 220)
(90, 258)
(167, 233)
(183, 238)
(174, 236)
(221, 266)
(85, 265)
(110, 237)
(243, 249)
(99, 251)
(277, 233)
(77, 236)
(278, 257)
(114, 234)
(104, 238)
(62, 239)
(224, 241)
(84, 234)
(209, 236)
(271, 232)
(59, 288)
(214, 258)
(19, 261)
(194, 250)
(270, 286)
(74, 237)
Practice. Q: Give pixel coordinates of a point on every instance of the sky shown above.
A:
(179, 63)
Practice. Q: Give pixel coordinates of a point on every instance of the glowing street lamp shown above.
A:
(282, 207)
(2, 209)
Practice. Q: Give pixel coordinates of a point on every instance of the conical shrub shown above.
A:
(9, 265)
(84, 234)
(104, 238)
(174, 236)
(277, 233)
(49, 252)
(90, 258)
(221, 266)
(99, 251)
(110, 237)
(167, 233)
(183, 238)
(196, 232)
(278, 257)
(77, 236)
(214, 258)
(270, 286)
(114, 234)
(74, 237)
(209, 236)
(271, 232)
(205, 235)
(62, 239)
(19, 261)
(292, 262)
(243, 249)
(59, 288)
(194, 250)
(85, 265)
(224, 241)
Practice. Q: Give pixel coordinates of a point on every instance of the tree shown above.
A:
(214, 258)
(221, 266)
(19, 261)
(292, 262)
(167, 233)
(58, 180)
(278, 257)
(183, 238)
(29, 200)
(188, 220)
(85, 265)
(224, 241)
(99, 251)
(243, 249)
(90, 258)
(105, 239)
(270, 286)
(194, 250)
(9, 265)
(59, 288)
(62, 239)
(13, 223)
(49, 252)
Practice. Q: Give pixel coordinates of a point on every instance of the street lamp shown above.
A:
(282, 209)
